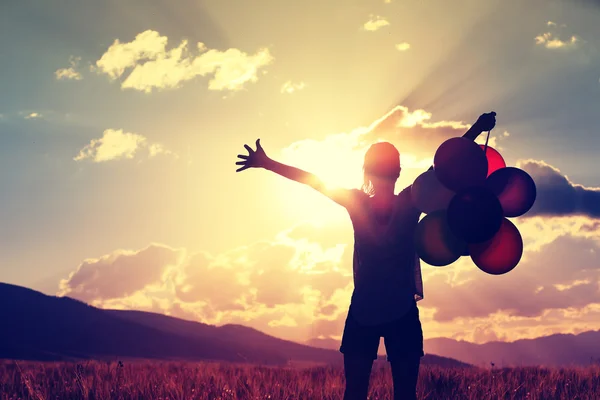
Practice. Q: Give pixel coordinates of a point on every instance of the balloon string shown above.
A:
(486, 142)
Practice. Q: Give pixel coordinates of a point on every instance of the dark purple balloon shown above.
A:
(475, 215)
(459, 163)
(515, 190)
(434, 241)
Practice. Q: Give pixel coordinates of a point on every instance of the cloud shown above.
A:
(70, 72)
(550, 41)
(374, 23)
(289, 87)
(119, 274)
(148, 45)
(404, 46)
(563, 275)
(33, 115)
(557, 195)
(337, 158)
(154, 67)
(554, 24)
(116, 144)
(298, 285)
(266, 285)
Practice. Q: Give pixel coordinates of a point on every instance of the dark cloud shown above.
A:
(557, 196)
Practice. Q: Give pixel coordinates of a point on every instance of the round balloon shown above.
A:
(429, 194)
(434, 241)
(514, 188)
(475, 215)
(494, 159)
(502, 253)
(459, 163)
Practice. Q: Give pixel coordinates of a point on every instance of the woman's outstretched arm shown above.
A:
(259, 159)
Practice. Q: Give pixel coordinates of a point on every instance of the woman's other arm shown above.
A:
(259, 159)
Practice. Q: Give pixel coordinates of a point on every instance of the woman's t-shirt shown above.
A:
(387, 271)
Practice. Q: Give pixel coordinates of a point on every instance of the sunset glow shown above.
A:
(121, 122)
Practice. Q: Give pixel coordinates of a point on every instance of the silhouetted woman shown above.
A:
(387, 273)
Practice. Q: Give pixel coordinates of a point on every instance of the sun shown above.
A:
(336, 162)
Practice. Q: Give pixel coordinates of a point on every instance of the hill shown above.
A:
(41, 327)
(554, 350)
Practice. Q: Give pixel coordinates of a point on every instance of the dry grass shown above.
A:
(174, 381)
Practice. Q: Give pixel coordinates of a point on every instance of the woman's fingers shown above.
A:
(243, 157)
(258, 146)
(241, 163)
(242, 168)
(250, 151)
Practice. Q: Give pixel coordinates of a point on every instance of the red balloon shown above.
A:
(514, 188)
(459, 163)
(502, 253)
(434, 241)
(495, 160)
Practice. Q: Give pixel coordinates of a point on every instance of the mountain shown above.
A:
(428, 359)
(326, 343)
(238, 335)
(553, 350)
(40, 327)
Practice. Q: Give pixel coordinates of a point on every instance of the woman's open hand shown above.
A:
(255, 158)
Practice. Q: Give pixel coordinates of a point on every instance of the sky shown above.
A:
(120, 123)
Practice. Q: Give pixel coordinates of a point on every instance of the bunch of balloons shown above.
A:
(468, 197)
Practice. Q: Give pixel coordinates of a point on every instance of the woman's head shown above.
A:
(381, 167)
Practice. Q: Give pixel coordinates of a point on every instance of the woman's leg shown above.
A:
(357, 370)
(359, 347)
(404, 347)
(405, 373)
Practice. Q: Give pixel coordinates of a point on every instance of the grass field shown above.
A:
(157, 380)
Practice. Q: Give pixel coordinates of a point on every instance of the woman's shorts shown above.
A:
(403, 338)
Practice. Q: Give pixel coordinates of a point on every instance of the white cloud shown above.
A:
(119, 274)
(154, 67)
(403, 46)
(117, 144)
(70, 72)
(33, 115)
(147, 45)
(550, 41)
(375, 23)
(270, 285)
(289, 87)
(298, 285)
